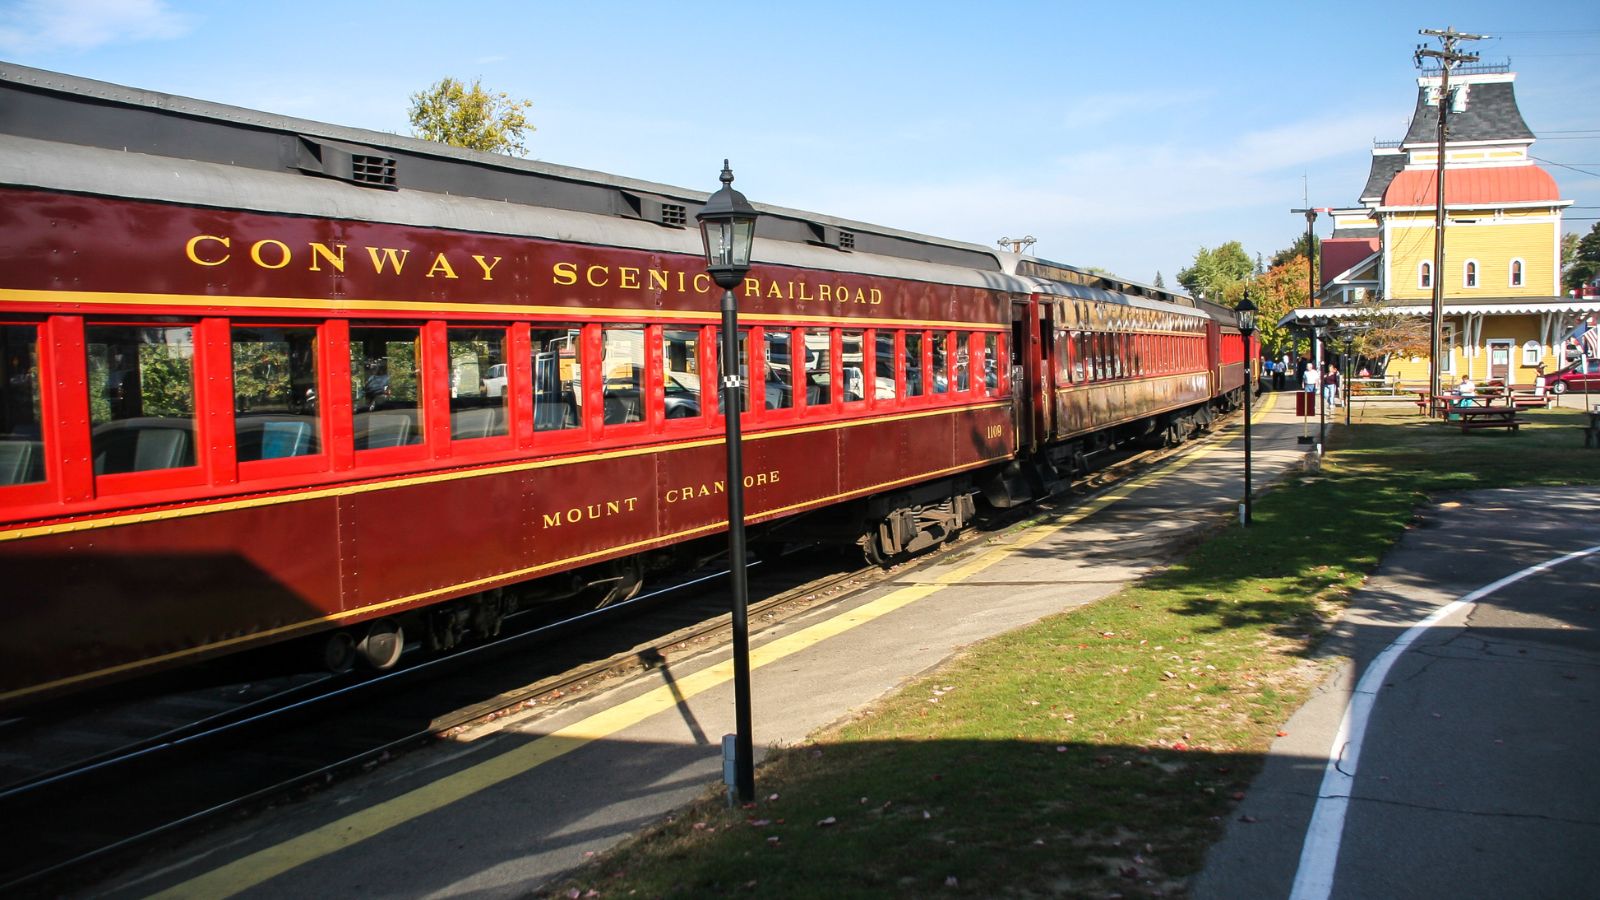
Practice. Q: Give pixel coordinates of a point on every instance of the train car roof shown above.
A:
(61, 132)
(1061, 279)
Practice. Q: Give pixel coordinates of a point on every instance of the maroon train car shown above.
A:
(270, 380)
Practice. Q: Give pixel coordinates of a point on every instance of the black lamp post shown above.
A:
(1318, 333)
(1349, 369)
(1247, 327)
(728, 228)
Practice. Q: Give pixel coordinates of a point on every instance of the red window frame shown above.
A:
(454, 447)
(433, 379)
(528, 438)
(19, 496)
(210, 376)
(322, 461)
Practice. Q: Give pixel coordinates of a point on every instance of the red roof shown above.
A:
(1471, 187)
(1339, 254)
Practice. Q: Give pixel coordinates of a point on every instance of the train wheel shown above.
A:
(338, 652)
(380, 647)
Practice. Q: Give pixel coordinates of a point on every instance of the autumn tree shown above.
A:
(461, 115)
(1280, 289)
(1214, 271)
(1387, 334)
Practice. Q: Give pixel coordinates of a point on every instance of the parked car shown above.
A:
(1571, 378)
(494, 383)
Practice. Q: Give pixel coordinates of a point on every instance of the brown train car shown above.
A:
(269, 380)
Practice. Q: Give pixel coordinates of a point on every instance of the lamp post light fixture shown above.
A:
(1247, 327)
(728, 228)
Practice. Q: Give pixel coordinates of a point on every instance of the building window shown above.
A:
(1425, 275)
(1469, 274)
(1516, 273)
(1532, 354)
(1447, 346)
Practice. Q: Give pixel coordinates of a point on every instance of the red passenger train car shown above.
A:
(268, 380)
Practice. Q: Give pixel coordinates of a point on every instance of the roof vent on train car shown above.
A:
(657, 210)
(830, 236)
(348, 162)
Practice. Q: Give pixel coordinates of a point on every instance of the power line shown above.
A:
(1551, 162)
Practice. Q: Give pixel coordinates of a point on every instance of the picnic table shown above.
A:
(1487, 416)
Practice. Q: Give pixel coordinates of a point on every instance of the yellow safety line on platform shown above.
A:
(263, 865)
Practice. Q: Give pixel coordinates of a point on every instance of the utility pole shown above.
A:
(1447, 58)
(1311, 286)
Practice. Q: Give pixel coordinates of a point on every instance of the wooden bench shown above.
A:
(1532, 401)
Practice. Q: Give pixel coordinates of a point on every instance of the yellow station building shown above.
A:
(1503, 309)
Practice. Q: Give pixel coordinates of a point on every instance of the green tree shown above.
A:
(1584, 264)
(1298, 248)
(1215, 271)
(461, 115)
(1158, 282)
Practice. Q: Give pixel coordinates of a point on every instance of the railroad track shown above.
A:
(89, 817)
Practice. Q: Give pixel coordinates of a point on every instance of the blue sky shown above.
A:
(1120, 135)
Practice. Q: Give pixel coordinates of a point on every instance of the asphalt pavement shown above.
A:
(1463, 734)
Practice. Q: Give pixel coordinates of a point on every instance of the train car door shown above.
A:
(1024, 369)
(1033, 343)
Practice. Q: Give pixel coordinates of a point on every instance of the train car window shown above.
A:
(939, 358)
(818, 366)
(963, 371)
(622, 366)
(852, 353)
(275, 402)
(991, 364)
(913, 358)
(779, 369)
(141, 397)
(384, 386)
(680, 386)
(883, 343)
(479, 395)
(21, 428)
(557, 377)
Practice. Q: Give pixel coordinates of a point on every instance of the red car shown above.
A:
(1574, 378)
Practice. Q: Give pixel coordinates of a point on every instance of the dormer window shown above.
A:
(1516, 273)
(1425, 275)
(1469, 274)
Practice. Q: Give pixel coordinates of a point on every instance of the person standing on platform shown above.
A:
(1308, 379)
(1330, 386)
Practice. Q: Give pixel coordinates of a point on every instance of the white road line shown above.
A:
(1320, 854)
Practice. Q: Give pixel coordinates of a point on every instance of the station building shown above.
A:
(1503, 308)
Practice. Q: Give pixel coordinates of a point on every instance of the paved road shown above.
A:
(1476, 775)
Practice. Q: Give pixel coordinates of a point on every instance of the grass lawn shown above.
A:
(1099, 752)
